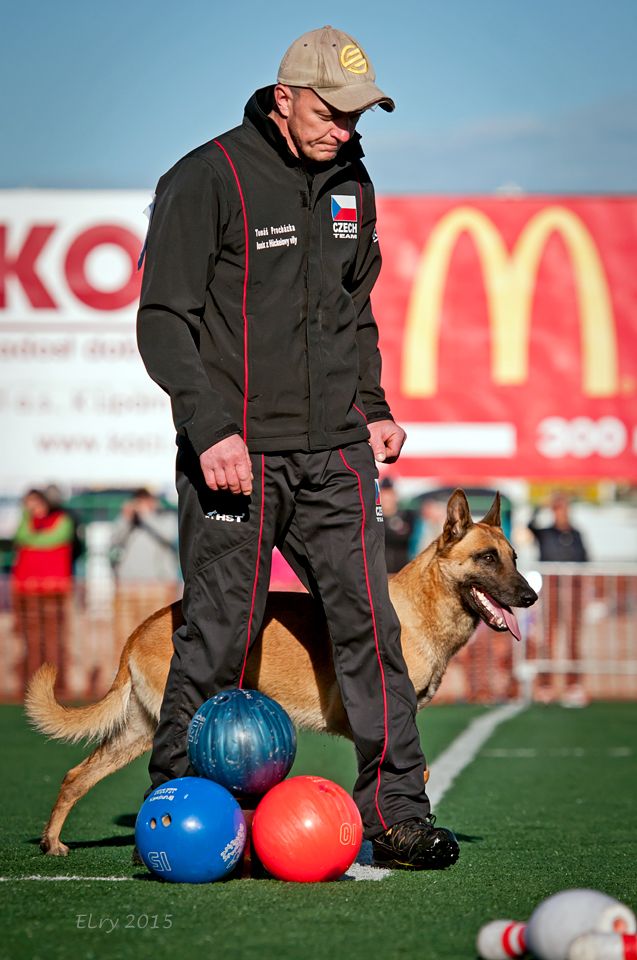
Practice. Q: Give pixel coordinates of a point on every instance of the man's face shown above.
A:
(316, 130)
(36, 506)
(560, 512)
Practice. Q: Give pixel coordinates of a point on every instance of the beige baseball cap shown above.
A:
(336, 67)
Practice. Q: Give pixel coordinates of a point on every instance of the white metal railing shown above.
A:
(580, 640)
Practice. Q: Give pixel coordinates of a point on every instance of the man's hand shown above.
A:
(226, 466)
(386, 440)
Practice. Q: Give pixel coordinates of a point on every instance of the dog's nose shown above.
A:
(528, 597)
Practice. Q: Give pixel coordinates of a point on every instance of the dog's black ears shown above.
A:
(458, 517)
(492, 518)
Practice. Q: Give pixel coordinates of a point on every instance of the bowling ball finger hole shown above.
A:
(153, 823)
(166, 820)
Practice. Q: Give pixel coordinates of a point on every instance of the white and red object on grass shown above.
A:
(501, 939)
(604, 946)
(560, 920)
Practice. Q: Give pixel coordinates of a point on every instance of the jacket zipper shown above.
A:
(306, 264)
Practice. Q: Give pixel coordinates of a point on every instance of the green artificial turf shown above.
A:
(548, 803)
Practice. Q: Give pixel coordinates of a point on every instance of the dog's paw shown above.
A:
(53, 848)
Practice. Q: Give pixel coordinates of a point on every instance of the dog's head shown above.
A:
(480, 561)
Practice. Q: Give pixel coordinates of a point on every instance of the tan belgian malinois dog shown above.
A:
(468, 574)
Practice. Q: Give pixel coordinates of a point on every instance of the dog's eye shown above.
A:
(488, 557)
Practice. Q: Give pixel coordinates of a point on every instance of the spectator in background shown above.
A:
(428, 523)
(561, 542)
(144, 540)
(399, 526)
(41, 584)
(144, 557)
(561, 595)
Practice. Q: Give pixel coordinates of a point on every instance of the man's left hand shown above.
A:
(386, 440)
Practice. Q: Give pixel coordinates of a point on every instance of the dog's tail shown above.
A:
(93, 722)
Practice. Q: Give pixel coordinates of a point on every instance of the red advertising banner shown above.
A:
(508, 331)
(509, 335)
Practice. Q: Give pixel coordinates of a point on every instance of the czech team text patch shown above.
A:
(344, 216)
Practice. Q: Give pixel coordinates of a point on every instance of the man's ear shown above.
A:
(492, 518)
(283, 97)
(458, 517)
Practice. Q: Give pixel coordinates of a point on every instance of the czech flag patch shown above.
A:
(344, 208)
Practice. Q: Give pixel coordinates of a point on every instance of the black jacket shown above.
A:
(255, 311)
(557, 545)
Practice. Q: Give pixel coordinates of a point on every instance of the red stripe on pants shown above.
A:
(371, 606)
(256, 572)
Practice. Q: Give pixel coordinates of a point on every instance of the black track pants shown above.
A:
(320, 509)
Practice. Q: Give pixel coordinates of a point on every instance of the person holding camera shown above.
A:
(144, 560)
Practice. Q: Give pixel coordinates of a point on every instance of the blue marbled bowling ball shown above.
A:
(243, 740)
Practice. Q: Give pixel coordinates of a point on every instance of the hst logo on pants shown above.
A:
(379, 505)
(227, 517)
(344, 217)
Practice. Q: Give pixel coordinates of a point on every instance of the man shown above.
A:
(255, 317)
(561, 594)
(399, 527)
(144, 560)
(144, 540)
(561, 542)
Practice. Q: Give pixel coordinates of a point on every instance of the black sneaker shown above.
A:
(416, 844)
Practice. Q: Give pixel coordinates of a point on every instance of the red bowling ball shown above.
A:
(307, 829)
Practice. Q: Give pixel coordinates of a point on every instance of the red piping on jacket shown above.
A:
(256, 572)
(371, 606)
(245, 293)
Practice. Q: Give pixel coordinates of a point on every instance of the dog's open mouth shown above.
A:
(495, 615)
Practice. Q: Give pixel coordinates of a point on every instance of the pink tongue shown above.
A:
(509, 618)
(512, 623)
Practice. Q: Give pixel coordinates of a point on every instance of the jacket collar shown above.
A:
(256, 115)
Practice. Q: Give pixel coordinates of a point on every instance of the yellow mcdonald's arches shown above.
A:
(510, 281)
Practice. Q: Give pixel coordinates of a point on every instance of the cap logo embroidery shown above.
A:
(352, 59)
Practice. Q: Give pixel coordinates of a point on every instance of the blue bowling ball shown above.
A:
(243, 740)
(190, 830)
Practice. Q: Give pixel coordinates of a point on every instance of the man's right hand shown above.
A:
(226, 466)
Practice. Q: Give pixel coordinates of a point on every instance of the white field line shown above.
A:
(464, 748)
(525, 753)
(365, 871)
(39, 876)
(443, 772)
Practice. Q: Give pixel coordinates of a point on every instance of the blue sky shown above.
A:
(536, 93)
